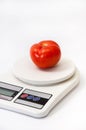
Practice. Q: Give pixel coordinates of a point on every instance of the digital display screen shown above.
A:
(6, 92)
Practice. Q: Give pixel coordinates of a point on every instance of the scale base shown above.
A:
(40, 90)
(53, 93)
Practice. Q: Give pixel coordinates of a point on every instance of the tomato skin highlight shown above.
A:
(45, 54)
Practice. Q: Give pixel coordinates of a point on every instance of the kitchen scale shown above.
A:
(29, 90)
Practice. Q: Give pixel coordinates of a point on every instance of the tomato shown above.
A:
(45, 54)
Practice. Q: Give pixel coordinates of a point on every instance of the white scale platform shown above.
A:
(31, 91)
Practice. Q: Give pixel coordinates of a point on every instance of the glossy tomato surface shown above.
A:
(45, 54)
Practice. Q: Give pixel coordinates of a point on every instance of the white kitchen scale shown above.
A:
(34, 92)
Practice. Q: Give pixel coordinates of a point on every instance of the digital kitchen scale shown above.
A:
(32, 91)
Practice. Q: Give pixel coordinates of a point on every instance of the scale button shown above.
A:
(33, 98)
(36, 98)
(24, 95)
(30, 97)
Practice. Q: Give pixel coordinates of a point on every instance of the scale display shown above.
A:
(8, 91)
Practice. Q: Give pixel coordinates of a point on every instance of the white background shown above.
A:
(24, 22)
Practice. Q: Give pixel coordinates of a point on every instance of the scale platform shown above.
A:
(34, 92)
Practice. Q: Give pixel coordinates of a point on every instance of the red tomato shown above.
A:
(45, 54)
